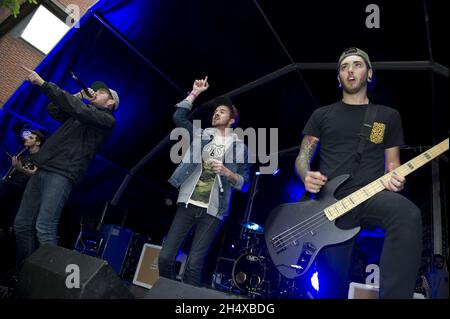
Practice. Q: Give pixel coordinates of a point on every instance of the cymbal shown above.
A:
(253, 227)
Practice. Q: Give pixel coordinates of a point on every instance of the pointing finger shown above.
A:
(26, 69)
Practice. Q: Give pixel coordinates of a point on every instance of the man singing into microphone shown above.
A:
(205, 185)
(62, 160)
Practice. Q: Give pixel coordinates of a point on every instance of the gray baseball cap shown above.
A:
(355, 51)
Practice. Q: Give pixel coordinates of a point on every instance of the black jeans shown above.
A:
(402, 249)
(207, 227)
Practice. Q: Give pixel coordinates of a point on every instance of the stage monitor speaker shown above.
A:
(172, 289)
(56, 272)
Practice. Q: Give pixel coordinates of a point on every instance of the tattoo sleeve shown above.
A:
(307, 150)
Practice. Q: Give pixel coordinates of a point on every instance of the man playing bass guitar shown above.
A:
(365, 144)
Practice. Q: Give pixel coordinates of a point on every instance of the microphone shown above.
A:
(220, 183)
(84, 87)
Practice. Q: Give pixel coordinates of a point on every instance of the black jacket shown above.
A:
(72, 146)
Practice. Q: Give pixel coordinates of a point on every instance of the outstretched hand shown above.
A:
(33, 77)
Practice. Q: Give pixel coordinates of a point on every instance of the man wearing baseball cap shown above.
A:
(102, 87)
(62, 160)
(362, 139)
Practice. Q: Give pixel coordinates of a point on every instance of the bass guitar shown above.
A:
(296, 232)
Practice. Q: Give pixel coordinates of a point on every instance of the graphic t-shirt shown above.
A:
(338, 126)
(215, 150)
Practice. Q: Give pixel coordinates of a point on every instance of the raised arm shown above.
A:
(180, 117)
(65, 104)
(74, 107)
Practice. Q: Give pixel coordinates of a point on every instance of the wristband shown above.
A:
(193, 94)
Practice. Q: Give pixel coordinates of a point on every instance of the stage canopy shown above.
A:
(275, 59)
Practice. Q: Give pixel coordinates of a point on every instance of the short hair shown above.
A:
(39, 135)
(226, 101)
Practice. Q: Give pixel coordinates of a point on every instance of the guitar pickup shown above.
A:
(306, 254)
(309, 247)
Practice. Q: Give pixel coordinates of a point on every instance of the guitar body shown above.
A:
(296, 232)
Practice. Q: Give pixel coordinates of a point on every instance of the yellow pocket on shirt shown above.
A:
(377, 133)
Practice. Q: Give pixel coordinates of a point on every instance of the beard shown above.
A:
(362, 83)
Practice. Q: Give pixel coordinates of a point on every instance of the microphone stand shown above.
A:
(249, 208)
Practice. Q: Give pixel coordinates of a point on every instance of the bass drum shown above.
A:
(248, 272)
(253, 275)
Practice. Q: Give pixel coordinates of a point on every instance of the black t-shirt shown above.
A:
(337, 126)
(19, 178)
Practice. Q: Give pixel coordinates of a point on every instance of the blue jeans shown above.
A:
(207, 227)
(38, 216)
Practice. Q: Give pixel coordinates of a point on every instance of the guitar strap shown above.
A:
(364, 134)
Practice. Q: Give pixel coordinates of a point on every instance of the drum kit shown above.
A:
(253, 272)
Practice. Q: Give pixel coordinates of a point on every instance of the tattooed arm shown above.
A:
(313, 180)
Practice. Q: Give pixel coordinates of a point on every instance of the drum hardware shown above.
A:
(250, 236)
(252, 274)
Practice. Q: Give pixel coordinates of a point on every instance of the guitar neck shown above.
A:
(349, 202)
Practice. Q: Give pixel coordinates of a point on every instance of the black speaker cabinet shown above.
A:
(56, 272)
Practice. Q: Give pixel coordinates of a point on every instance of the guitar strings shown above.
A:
(296, 232)
(311, 223)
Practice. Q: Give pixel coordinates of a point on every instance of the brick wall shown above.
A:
(14, 52)
(83, 4)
